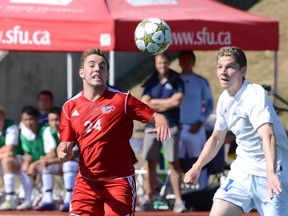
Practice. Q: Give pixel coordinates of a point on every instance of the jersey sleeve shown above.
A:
(67, 134)
(12, 135)
(260, 108)
(48, 140)
(137, 110)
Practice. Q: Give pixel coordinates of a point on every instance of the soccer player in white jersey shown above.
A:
(100, 121)
(259, 174)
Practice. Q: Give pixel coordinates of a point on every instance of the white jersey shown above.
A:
(12, 135)
(243, 114)
(48, 140)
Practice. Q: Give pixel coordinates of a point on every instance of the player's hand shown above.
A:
(163, 132)
(191, 177)
(274, 185)
(64, 151)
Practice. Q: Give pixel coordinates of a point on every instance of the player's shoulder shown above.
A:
(113, 90)
(70, 102)
(254, 89)
(201, 78)
(151, 80)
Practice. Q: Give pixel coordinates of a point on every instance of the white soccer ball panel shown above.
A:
(168, 36)
(158, 37)
(141, 45)
(155, 20)
(150, 28)
(152, 48)
(139, 32)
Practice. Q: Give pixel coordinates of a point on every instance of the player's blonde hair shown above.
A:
(236, 53)
(91, 51)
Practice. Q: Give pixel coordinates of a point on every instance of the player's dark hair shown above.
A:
(91, 51)
(187, 52)
(55, 110)
(45, 92)
(30, 110)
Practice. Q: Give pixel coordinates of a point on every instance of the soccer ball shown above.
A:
(152, 36)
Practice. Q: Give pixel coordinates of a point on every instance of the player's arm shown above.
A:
(6, 151)
(266, 132)
(26, 162)
(210, 150)
(161, 126)
(50, 158)
(65, 151)
(11, 141)
(164, 104)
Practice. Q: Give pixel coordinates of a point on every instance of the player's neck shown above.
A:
(93, 94)
(187, 71)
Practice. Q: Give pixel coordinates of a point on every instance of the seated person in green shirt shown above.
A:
(49, 165)
(10, 164)
(31, 138)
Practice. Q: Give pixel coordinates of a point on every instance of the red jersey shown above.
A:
(102, 129)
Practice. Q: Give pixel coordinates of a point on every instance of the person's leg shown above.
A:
(47, 185)
(223, 208)
(27, 182)
(70, 170)
(234, 196)
(10, 168)
(171, 147)
(151, 180)
(119, 196)
(151, 155)
(175, 179)
(47, 175)
(277, 206)
(195, 143)
(87, 197)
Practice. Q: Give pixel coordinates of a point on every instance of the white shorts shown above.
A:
(251, 192)
(191, 144)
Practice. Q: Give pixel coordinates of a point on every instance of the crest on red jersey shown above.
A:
(107, 109)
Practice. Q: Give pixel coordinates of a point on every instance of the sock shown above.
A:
(27, 183)
(9, 182)
(69, 179)
(48, 183)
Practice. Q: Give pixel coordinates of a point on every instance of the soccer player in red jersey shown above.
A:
(99, 120)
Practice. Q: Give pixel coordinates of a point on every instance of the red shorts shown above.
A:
(113, 197)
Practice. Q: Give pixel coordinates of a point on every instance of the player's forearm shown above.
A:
(210, 150)
(161, 105)
(269, 148)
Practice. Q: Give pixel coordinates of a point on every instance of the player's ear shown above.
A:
(81, 73)
(243, 71)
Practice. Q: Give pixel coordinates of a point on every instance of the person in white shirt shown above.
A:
(195, 108)
(259, 175)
